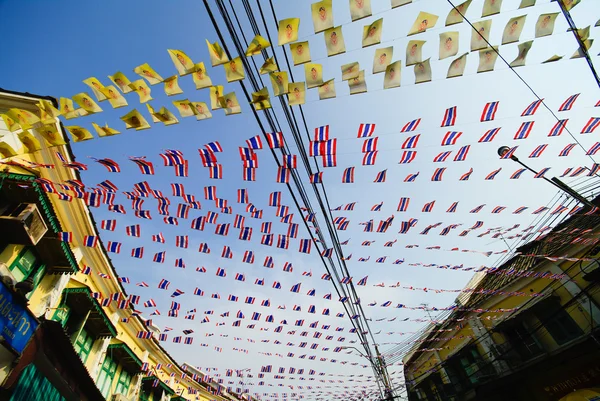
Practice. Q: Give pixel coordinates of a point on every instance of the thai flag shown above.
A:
(267, 239)
(288, 267)
(65, 236)
(90, 241)
(449, 117)
(411, 126)
(348, 176)
(452, 208)
(250, 300)
(299, 323)
(290, 161)
(183, 211)
(380, 176)
(144, 335)
(315, 148)
(246, 233)
(226, 252)
(176, 293)
(477, 209)
(255, 316)
(330, 160)
(145, 166)
(248, 257)
(198, 223)
(265, 303)
(489, 111)
(489, 135)
(275, 139)
(411, 142)
(221, 272)
(568, 104)
(201, 269)
(365, 130)
(210, 193)
(369, 158)
(442, 156)
(240, 277)
(450, 138)
(178, 189)
(150, 303)
(498, 209)
(214, 147)
(181, 170)
(328, 147)
(282, 211)
(137, 252)
(428, 207)
(370, 145)
(222, 229)
(109, 186)
(283, 241)
(461, 155)
(171, 221)
(407, 157)
(254, 142)
(111, 165)
(322, 133)
(594, 149)
(180, 263)
(316, 178)
(268, 262)
(296, 288)
(159, 257)
(305, 245)
(242, 195)
(532, 108)
(164, 284)
(558, 128)
(537, 152)
(524, 130)
(276, 285)
(209, 159)
(438, 174)
(114, 247)
(591, 125)
(283, 175)
(188, 340)
(181, 241)
(377, 207)
(216, 172)
(292, 230)
(249, 174)
(510, 153)
(493, 174)
(259, 281)
(199, 292)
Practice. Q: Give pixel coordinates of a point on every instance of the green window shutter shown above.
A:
(106, 375)
(123, 382)
(83, 345)
(62, 314)
(33, 386)
(24, 264)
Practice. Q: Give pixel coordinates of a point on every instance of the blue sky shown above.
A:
(88, 40)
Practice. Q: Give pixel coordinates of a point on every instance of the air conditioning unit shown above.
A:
(22, 224)
(119, 397)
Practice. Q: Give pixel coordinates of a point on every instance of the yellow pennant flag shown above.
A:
(383, 58)
(7, 151)
(513, 29)
(553, 59)
(300, 52)
(268, 67)
(48, 113)
(201, 110)
(545, 25)
(569, 4)
(257, 45)
(184, 107)
(288, 30)
(422, 72)
(334, 41)
(142, 89)
(448, 44)
(121, 81)
(234, 70)
(30, 143)
(527, 3)
(322, 15)
(216, 53)
(114, 97)
(96, 88)
(358, 85)
(314, 75)
(215, 93)
(297, 93)
(164, 115)
(86, 102)
(580, 52)
(172, 86)
(79, 134)
(327, 90)
(67, 109)
(105, 131)
(457, 67)
(11, 124)
(181, 61)
(145, 71)
(423, 22)
(481, 34)
(261, 100)
(135, 120)
(398, 3)
(487, 59)
(26, 119)
(230, 104)
(360, 9)
(200, 78)
(414, 52)
(455, 16)
(279, 82)
(491, 7)
(523, 50)
(372, 33)
(51, 135)
(392, 75)
(350, 71)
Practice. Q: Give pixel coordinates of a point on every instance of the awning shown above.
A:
(148, 384)
(126, 357)
(80, 301)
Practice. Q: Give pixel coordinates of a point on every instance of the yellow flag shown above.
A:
(86, 102)
(135, 120)
(457, 67)
(79, 134)
(414, 52)
(51, 135)
(164, 115)
(234, 70)
(30, 143)
(216, 53)
(513, 29)
(480, 34)
(142, 89)
(527, 3)
(423, 22)
(360, 9)
(200, 78)
(422, 72)
(327, 90)
(184, 107)
(288, 30)
(383, 58)
(230, 104)
(300, 52)
(322, 15)
(260, 99)
(67, 108)
(491, 7)
(96, 88)
(11, 124)
(448, 44)
(487, 59)
(297, 93)
(279, 82)
(579, 52)
(257, 45)
(7, 151)
(583, 33)
(268, 67)
(172, 86)
(114, 97)
(145, 71)
(545, 25)
(121, 81)
(454, 16)
(523, 50)
(358, 85)
(314, 74)
(392, 75)
(105, 131)
(215, 93)
(398, 3)
(569, 4)
(350, 70)
(26, 119)
(201, 110)
(48, 113)
(334, 41)
(182, 62)
(553, 59)
(372, 33)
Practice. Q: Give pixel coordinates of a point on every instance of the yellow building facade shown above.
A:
(74, 348)
(528, 331)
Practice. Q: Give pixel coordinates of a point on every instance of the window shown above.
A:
(524, 343)
(25, 264)
(559, 324)
(144, 396)
(83, 345)
(123, 382)
(106, 376)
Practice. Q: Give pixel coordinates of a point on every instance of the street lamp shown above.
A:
(503, 150)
